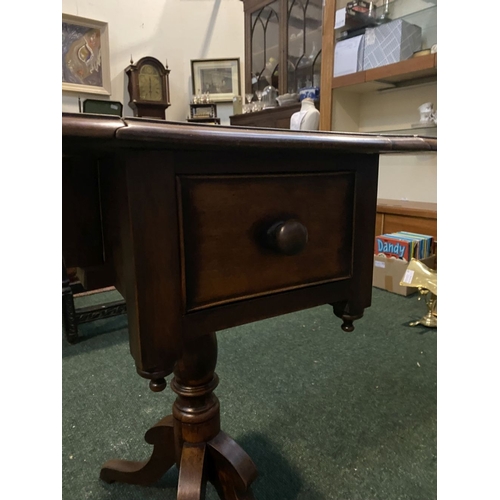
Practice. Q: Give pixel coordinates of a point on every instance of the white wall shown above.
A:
(402, 177)
(170, 30)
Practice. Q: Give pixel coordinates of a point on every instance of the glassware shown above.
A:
(237, 105)
(384, 17)
(249, 97)
(269, 95)
(258, 93)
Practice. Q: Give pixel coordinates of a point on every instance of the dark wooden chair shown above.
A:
(72, 316)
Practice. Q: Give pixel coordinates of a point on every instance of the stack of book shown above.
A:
(404, 245)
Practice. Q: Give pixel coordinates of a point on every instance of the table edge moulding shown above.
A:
(207, 228)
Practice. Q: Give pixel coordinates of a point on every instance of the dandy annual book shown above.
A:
(391, 246)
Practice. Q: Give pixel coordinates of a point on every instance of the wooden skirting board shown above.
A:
(414, 216)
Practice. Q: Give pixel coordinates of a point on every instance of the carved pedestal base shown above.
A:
(191, 437)
(220, 461)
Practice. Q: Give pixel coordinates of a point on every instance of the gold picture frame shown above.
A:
(85, 56)
(219, 77)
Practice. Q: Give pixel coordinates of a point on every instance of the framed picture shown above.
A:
(85, 56)
(219, 77)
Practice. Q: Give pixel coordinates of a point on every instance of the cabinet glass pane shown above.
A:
(427, 20)
(304, 18)
(265, 46)
(423, 13)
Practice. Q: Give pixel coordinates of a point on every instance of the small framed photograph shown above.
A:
(219, 77)
(85, 56)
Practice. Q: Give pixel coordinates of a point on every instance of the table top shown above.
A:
(177, 135)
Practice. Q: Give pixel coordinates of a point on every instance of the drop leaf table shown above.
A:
(206, 228)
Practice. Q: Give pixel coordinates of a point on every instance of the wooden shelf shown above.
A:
(428, 130)
(388, 76)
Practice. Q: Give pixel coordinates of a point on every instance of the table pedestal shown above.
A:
(191, 437)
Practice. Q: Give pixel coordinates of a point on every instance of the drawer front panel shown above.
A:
(226, 251)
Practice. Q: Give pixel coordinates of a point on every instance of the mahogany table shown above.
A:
(207, 228)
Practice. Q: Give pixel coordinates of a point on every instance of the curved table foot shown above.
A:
(220, 461)
(233, 470)
(146, 472)
(192, 475)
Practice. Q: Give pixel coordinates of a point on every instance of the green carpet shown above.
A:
(324, 414)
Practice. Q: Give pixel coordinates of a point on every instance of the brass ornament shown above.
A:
(422, 277)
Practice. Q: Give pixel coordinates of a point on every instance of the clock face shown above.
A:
(150, 83)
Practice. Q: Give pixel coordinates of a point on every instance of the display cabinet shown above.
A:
(282, 44)
(344, 98)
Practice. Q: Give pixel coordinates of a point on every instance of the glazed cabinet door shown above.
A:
(282, 44)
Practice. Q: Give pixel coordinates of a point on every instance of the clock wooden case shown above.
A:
(148, 88)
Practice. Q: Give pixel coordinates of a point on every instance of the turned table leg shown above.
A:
(191, 437)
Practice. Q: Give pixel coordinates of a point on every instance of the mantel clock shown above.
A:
(148, 88)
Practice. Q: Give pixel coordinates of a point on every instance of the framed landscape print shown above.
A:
(219, 77)
(85, 56)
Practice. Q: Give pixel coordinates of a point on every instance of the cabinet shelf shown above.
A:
(427, 130)
(410, 71)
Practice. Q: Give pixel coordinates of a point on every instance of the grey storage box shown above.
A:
(390, 43)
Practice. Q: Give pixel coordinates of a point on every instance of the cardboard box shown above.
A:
(388, 272)
(348, 56)
(390, 43)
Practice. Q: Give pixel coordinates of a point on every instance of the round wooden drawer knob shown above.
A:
(287, 237)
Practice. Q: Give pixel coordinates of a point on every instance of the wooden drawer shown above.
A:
(224, 221)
